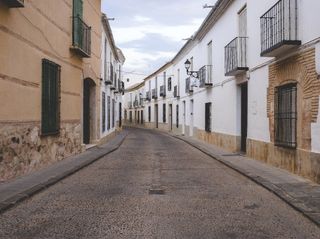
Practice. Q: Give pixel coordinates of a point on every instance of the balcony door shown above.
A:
(243, 22)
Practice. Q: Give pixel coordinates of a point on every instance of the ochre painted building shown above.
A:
(49, 76)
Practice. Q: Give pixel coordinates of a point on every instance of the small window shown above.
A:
(149, 113)
(169, 84)
(164, 118)
(50, 114)
(285, 115)
(208, 117)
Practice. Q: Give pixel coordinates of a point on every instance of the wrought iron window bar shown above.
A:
(285, 116)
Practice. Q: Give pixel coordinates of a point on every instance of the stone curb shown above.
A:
(280, 193)
(30, 191)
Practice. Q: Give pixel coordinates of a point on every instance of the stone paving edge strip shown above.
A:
(29, 192)
(292, 202)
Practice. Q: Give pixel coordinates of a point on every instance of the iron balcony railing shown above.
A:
(163, 91)
(136, 103)
(236, 56)
(279, 28)
(205, 76)
(14, 3)
(176, 92)
(154, 94)
(148, 97)
(189, 87)
(81, 37)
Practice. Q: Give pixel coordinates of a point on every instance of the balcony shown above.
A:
(189, 86)
(176, 93)
(14, 3)
(148, 97)
(236, 57)
(81, 37)
(163, 91)
(205, 76)
(154, 94)
(136, 104)
(279, 29)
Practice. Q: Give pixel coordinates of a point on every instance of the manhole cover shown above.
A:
(156, 191)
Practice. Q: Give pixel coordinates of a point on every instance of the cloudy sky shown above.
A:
(150, 32)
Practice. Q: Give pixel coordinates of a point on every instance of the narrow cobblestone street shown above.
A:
(155, 186)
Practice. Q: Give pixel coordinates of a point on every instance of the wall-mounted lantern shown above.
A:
(187, 65)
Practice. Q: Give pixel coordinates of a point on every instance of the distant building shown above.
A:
(255, 83)
(112, 86)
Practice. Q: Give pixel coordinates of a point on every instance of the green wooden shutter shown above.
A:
(77, 23)
(78, 8)
(50, 121)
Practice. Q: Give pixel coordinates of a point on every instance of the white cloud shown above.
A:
(174, 33)
(139, 18)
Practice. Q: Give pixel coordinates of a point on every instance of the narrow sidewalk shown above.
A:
(17, 190)
(300, 193)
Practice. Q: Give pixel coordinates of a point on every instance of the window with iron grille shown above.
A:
(285, 116)
(103, 112)
(177, 116)
(50, 113)
(149, 113)
(169, 84)
(164, 113)
(208, 117)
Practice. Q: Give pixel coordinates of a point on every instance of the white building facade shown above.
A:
(252, 84)
(111, 85)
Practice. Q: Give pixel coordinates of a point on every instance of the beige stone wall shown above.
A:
(24, 150)
(227, 142)
(43, 29)
(301, 162)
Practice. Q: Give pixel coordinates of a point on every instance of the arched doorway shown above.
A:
(89, 95)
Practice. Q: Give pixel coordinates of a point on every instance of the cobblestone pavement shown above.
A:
(155, 186)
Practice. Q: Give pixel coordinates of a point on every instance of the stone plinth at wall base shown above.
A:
(23, 150)
(297, 161)
(225, 141)
(108, 137)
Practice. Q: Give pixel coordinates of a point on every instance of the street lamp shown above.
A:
(187, 65)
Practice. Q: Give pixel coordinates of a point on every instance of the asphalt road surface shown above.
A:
(155, 186)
